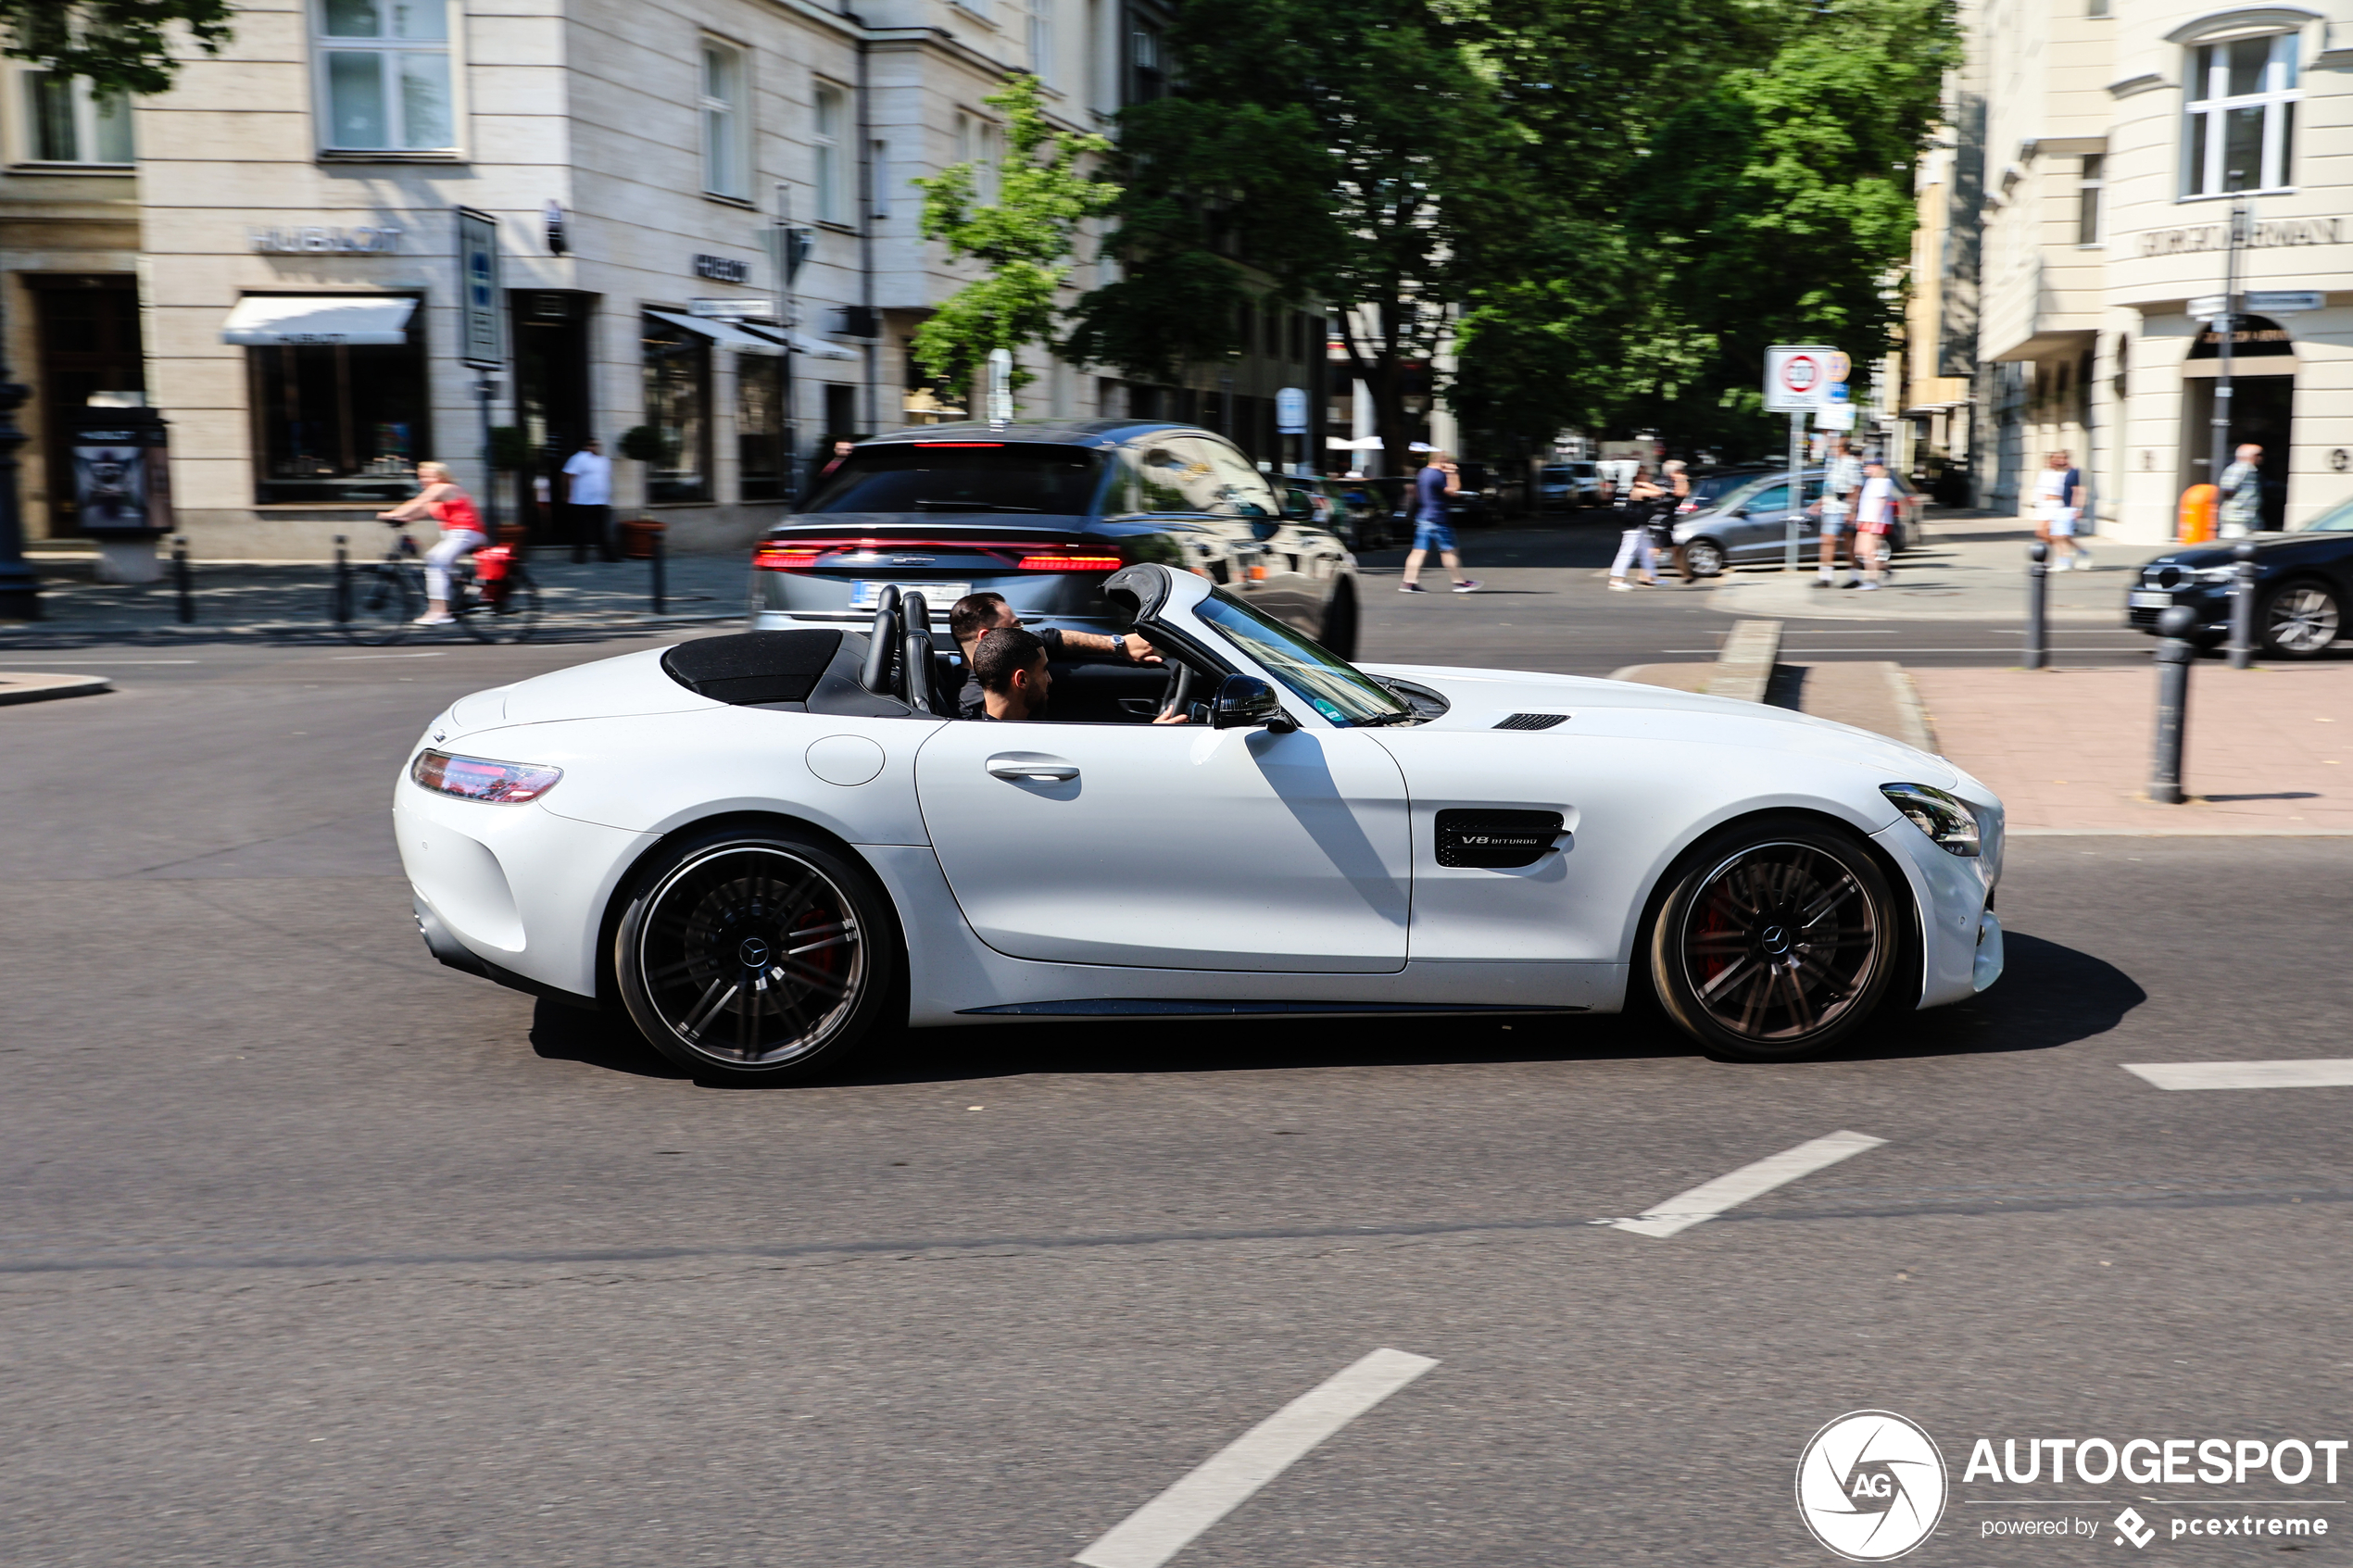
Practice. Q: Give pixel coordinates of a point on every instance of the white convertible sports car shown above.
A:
(765, 847)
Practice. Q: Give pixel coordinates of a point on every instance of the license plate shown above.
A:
(2148, 598)
(866, 593)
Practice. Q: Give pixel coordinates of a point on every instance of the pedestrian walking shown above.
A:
(1874, 515)
(2243, 494)
(438, 497)
(1438, 480)
(1673, 475)
(1842, 480)
(589, 501)
(2058, 512)
(1634, 546)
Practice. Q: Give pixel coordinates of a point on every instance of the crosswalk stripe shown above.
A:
(2304, 1073)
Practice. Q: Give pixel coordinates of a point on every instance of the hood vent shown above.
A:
(1533, 720)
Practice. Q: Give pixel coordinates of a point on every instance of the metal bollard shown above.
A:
(2038, 594)
(2242, 605)
(343, 580)
(184, 589)
(661, 584)
(2173, 656)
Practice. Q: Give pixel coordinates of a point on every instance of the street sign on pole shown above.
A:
(1000, 386)
(1797, 377)
(1835, 416)
(479, 338)
(1290, 411)
(1841, 366)
(2282, 302)
(2206, 307)
(1839, 393)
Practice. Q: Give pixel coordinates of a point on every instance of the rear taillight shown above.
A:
(1687, 506)
(785, 557)
(478, 778)
(1069, 563)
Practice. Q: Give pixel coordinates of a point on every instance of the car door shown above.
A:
(1759, 531)
(1173, 846)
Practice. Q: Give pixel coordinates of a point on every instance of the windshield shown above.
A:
(966, 476)
(1332, 686)
(2336, 520)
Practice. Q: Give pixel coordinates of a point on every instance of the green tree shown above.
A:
(120, 45)
(1026, 238)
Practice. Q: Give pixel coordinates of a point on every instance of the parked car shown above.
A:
(1748, 521)
(1042, 513)
(1560, 487)
(2303, 584)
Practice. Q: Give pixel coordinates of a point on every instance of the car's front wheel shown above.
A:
(1776, 940)
(2300, 621)
(1704, 557)
(753, 954)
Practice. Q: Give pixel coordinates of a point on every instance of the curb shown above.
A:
(1745, 664)
(1911, 714)
(17, 687)
(21, 636)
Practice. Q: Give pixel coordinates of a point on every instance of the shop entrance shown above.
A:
(552, 396)
(2262, 410)
(87, 326)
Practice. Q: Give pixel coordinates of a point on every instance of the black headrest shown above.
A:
(753, 666)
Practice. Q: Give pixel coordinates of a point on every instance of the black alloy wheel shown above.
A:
(751, 955)
(500, 613)
(2300, 620)
(383, 603)
(1704, 557)
(1777, 941)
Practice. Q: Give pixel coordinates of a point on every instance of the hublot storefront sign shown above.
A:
(2269, 233)
(365, 239)
(723, 268)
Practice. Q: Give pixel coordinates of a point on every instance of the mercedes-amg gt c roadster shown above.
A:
(766, 846)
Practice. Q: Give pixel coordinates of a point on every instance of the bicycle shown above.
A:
(492, 596)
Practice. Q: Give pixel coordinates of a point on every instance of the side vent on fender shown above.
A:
(1533, 720)
(1496, 840)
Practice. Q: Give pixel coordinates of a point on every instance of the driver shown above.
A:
(976, 614)
(1009, 663)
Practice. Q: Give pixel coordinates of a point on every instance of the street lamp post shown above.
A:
(2225, 327)
(19, 586)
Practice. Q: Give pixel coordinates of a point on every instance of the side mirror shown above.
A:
(1298, 506)
(1245, 702)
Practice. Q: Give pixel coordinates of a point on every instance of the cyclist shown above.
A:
(462, 534)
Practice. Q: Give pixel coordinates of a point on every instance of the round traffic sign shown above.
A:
(1801, 372)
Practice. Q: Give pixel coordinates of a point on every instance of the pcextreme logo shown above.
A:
(1870, 1485)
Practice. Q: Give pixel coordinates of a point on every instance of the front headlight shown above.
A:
(479, 778)
(1946, 819)
(2215, 573)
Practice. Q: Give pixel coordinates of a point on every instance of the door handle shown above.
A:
(1020, 765)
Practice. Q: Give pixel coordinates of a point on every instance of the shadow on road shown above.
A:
(2051, 996)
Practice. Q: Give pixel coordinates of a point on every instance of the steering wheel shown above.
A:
(874, 674)
(1180, 689)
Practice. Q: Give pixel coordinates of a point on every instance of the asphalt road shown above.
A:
(312, 1251)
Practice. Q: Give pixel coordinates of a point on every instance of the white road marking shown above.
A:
(1168, 1524)
(1708, 1199)
(347, 657)
(112, 662)
(2306, 1073)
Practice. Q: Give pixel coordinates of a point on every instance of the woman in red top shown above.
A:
(462, 534)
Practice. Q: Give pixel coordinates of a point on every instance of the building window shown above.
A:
(340, 423)
(1041, 40)
(385, 78)
(1149, 80)
(69, 123)
(725, 168)
(2087, 199)
(759, 427)
(2242, 116)
(833, 181)
(677, 369)
(878, 151)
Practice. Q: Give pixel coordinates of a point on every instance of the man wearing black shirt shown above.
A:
(975, 615)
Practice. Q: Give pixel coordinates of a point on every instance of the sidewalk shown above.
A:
(292, 600)
(2267, 750)
(1971, 566)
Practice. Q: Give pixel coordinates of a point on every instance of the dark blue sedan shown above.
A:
(2303, 581)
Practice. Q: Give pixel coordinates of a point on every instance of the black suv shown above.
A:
(1042, 513)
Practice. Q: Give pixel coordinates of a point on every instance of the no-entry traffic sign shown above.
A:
(1798, 376)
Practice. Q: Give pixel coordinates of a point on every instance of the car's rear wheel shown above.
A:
(755, 954)
(2300, 621)
(1776, 940)
(1704, 557)
(1339, 623)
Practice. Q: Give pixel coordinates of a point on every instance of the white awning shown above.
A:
(726, 333)
(1362, 444)
(260, 320)
(802, 344)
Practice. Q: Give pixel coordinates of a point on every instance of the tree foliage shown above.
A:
(1025, 238)
(120, 45)
(1608, 208)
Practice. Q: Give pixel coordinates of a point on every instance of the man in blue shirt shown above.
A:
(1438, 480)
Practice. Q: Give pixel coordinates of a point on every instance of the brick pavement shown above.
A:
(2268, 750)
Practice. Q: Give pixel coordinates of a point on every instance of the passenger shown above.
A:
(977, 613)
(1010, 664)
